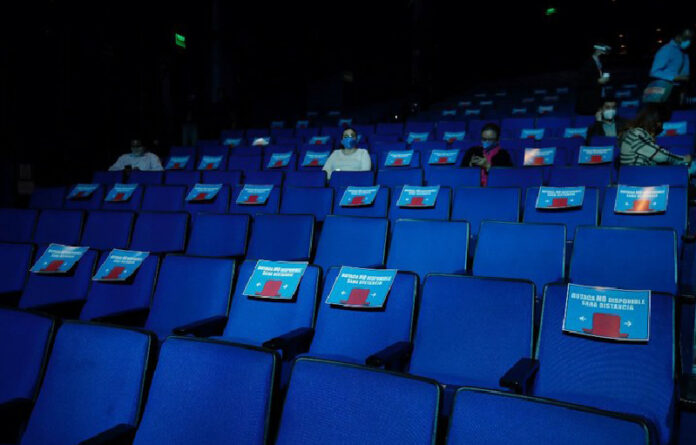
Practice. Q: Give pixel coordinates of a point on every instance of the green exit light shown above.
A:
(180, 40)
(551, 11)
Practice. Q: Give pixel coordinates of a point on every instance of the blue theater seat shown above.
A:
(393, 128)
(673, 175)
(182, 177)
(477, 204)
(399, 177)
(230, 178)
(385, 407)
(453, 177)
(353, 335)
(178, 150)
(15, 261)
(272, 205)
(209, 392)
(59, 226)
(189, 163)
(307, 201)
(598, 176)
(146, 177)
(219, 204)
(132, 205)
(315, 178)
(429, 247)
(292, 165)
(91, 203)
(441, 211)
(587, 215)
(534, 252)
(164, 198)
(189, 290)
(382, 157)
(94, 382)
(255, 321)
(17, 225)
(47, 197)
(220, 236)
(245, 163)
(346, 178)
(378, 209)
(352, 241)
(157, 232)
(106, 230)
(264, 177)
(107, 177)
(270, 241)
(490, 417)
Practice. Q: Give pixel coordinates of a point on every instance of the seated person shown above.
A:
(637, 142)
(138, 159)
(607, 123)
(488, 154)
(348, 157)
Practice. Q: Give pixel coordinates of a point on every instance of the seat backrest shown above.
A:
(106, 230)
(214, 235)
(107, 177)
(477, 204)
(307, 201)
(453, 177)
(135, 294)
(94, 381)
(254, 321)
(133, 204)
(516, 177)
(164, 198)
(157, 232)
(395, 128)
(631, 258)
(59, 226)
(598, 176)
(270, 241)
(400, 177)
(355, 334)
(26, 341)
(377, 415)
(230, 178)
(534, 252)
(352, 241)
(245, 163)
(219, 204)
(477, 415)
(182, 177)
(477, 316)
(587, 215)
(146, 177)
(272, 204)
(378, 209)
(346, 178)
(425, 247)
(47, 198)
(91, 203)
(17, 225)
(15, 261)
(647, 390)
(48, 289)
(304, 178)
(292, 163)
(189, 289)
(218, 381)
(649, 175)
(264, 177)
(441, 211)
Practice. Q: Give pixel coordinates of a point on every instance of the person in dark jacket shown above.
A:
(592, 78)
(488, 154)
(607, 121)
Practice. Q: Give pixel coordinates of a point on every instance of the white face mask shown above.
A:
(609, 115)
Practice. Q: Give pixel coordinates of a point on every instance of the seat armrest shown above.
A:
(520, 376)
(687, 393)
(393, 357)
(689, 238)
(133, 317)
(14, 414)
(207, 327)
(122, 434)
(293, 343)
(685, 298)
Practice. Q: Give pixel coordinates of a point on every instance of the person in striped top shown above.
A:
(638, 144)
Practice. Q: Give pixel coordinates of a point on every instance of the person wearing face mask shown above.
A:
(488, 154)
(592, 79)
(607, 123)
(638, 145)
(670, 69)
(348, 157)
(138, 159)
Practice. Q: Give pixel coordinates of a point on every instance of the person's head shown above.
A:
(137, 147)
(609, 108)
(490, 135)
(349, 140)
(684, 37)
(651, 117)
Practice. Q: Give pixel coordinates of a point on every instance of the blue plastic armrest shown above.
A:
(293, 343)
(207, 327)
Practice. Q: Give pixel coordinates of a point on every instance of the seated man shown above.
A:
(488, 154)
(138, 159)
(607, 123)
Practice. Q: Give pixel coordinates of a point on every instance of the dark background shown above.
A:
(80, 78)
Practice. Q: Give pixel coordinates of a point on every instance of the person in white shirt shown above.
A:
(138, 159)
(348, 157)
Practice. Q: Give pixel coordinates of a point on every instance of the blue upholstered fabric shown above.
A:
(378, 209)
(307, 201)
(189, 289)
(245, 163)
(160, 232)
(272, 205)
(107, 177)
(217, 235)
(346, 178)
(587, 215)
(182, 177)
(523, 177)
(254, 320)
(398, 177)
(47, 198)
(164, 198)
(336, 403)
(313, 178)
(94, 381)
(25, 339)
(453, 177)
(93, 202)
(15, 261)
(219, 204)
(441, 211)
(598, 176)
(59, 226)
(133, 204)
(270, 241)
(352, 241)
(477, 204)
(208, 392)
(17, 225)
(264, 177)
(146, 177)
(488, 418)
(674, 175)
(106, 230)
(230, 178)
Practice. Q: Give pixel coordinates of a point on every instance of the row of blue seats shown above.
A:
(96, 387)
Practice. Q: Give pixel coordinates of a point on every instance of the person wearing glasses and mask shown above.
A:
(607, 122)
(488, 154)
(348, 157)
(138, 159)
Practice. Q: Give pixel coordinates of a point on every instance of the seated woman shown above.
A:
(488, 154)
(637, 142)
(348, 157)
(138, 159)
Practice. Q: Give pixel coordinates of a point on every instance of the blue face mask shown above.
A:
(487, 144)
(685, 44)
(349, 142)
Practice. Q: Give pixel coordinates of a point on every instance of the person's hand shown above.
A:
(480, 161)
(603, 80)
